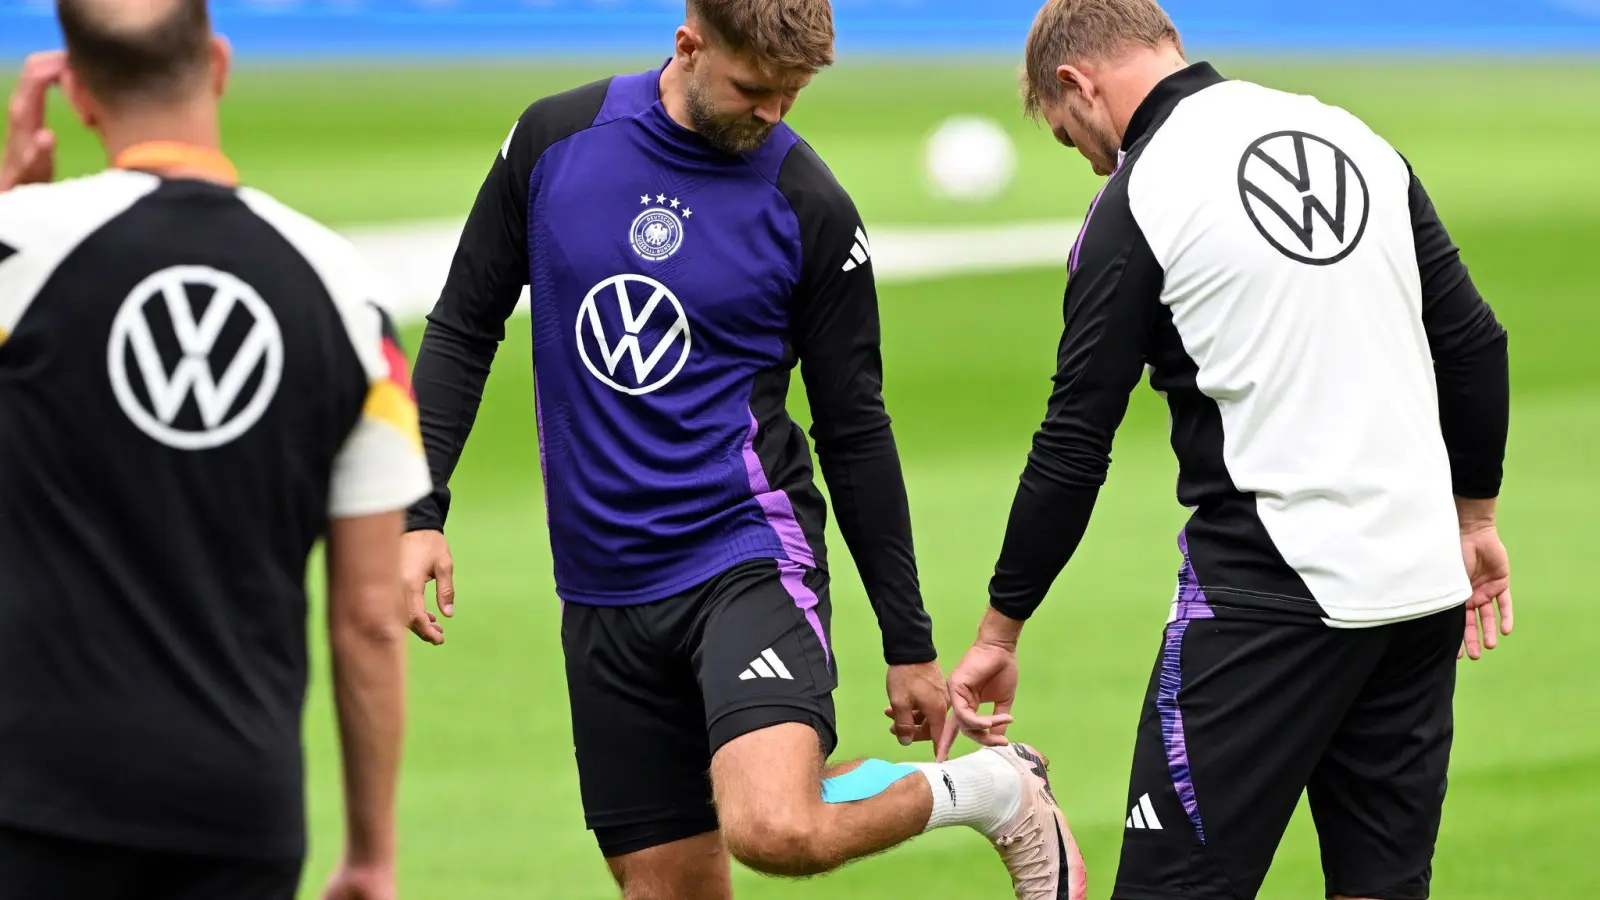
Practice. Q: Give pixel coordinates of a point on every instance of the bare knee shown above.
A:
(769, 801)
(776, 843)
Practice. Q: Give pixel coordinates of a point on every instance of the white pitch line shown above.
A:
(414, 258)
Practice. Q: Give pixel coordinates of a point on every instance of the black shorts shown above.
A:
(41, 867)
(1242, 716)
(657, 689)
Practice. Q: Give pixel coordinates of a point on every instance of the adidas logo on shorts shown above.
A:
(1143, 816)
(767, 665)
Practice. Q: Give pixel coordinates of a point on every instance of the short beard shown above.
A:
(1096, 139)
(726, 133)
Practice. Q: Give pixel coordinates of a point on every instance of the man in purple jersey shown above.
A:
(684, 252)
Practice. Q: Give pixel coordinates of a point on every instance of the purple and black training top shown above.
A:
(674, 287)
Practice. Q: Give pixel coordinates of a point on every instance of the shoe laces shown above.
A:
(1031, 865)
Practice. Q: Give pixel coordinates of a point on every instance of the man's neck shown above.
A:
(195, 127)
(674, 91)
(1131, 80)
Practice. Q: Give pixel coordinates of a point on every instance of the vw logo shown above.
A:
(227, 365)
(609, 308)
(1305, 196)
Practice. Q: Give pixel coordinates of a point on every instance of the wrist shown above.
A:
(371, 847)
(1474, 515)
(1000, 630)
(370, 857)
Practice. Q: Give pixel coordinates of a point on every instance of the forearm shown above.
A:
(1469, 349)
(1475, 415)
(868, 489)
(368, 664)
(451, 372)
(1048, 521)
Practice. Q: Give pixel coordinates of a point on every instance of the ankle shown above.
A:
(980, 790)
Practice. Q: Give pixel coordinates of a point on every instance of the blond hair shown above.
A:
(780, 34)
(1069, 31)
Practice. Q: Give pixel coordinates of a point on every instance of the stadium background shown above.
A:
(381, 118)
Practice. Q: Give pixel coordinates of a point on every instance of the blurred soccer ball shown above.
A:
(970, 159)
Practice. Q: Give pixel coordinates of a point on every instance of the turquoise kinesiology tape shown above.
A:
(869, 779)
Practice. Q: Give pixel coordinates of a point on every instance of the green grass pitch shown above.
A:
(490, 805)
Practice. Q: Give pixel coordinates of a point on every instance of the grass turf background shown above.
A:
(490, 806)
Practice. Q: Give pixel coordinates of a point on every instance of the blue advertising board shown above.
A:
(276, 28)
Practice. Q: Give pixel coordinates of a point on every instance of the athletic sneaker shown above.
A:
(1036, 844)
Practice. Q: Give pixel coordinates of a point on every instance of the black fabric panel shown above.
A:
(486, 279)
(1470, 359)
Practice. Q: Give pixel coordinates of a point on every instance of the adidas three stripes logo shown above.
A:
(767, 665)
(860, 251)
(1143, 816)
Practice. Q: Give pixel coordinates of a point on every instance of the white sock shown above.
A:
(979, 790)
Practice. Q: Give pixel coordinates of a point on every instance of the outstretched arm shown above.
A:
(1110, 298)
(836, 336)
(1099, 361)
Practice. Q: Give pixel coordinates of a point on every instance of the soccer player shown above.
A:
(684, 251)
(194, 387)
(1339, 401)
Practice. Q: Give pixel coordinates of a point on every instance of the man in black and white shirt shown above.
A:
(1339, 400)
(196, 386)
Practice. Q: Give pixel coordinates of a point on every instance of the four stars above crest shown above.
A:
(661, 200)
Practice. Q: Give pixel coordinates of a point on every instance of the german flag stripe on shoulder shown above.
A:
(391, 399)
(394, 354)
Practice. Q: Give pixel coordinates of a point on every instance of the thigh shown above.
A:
(40, 867)
(1378, 793)
(638, 728)
(762, 653)
(202, 878)
(1235, 718)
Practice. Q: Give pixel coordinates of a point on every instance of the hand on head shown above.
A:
(30, 150)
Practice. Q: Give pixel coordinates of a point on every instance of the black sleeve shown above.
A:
(486, 279)
(1110, 296)
(1469, 357)
(836, 337)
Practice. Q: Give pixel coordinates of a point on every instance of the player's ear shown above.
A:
(221, 64)
(1073, 80)
(688, 45)
(78, 97)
